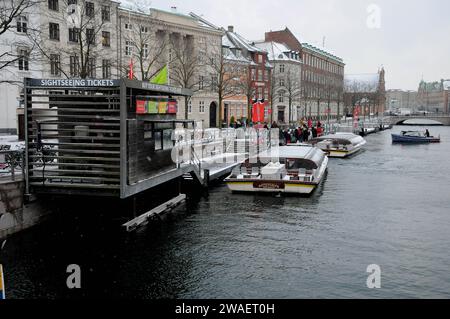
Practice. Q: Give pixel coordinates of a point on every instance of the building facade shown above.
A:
(367, 91)
(286, 81)
(433, 97)
(58, 39)
(256, 84)
(153, 40)
(399, 100)
(322, 76)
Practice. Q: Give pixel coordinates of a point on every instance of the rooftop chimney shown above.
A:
(230, 28)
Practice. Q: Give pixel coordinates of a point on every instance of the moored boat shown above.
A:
(414, 137)
(287, 169)
(339, 145)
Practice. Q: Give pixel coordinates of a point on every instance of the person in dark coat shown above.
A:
(314, 132)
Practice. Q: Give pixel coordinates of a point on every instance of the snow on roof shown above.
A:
(447, 85)
(361, 83)
(322, 51)
(277, 51)
(241, 42)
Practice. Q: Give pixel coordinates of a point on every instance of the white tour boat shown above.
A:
(286, 169)
(339, 145)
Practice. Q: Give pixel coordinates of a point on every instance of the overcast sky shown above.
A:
(411, 40)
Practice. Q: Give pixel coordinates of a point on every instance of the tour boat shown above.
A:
(414, 137)
(339, 145)
(287, 169)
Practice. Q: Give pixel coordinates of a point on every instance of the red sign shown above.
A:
(258, 112)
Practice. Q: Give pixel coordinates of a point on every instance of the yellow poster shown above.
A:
(162, 107)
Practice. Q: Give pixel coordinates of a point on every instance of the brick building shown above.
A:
(322, 76)
(434, 96)
(257, 82)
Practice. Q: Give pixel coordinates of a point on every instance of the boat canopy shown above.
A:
(341, 139)
(295, 157)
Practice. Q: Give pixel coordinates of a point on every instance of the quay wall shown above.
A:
(15, 214)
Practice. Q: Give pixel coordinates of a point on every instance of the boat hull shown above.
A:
(341, 153)
(258, 186)
(414, 139)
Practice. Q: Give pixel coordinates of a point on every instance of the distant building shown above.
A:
(434, 96)
(322, 76)
(397, 100)
(367, 91)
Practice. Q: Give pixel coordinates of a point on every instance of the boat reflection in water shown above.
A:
(287, 169)
(339, 145)
(414, 137)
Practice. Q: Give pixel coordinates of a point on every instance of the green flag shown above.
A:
(160, 77)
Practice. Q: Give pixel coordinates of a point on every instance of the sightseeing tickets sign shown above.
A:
(156, 105)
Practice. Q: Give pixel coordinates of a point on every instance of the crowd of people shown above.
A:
(302, 133)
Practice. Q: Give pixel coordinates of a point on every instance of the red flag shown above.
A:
(131, 73)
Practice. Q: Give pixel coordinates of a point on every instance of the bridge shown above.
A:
(439, 119)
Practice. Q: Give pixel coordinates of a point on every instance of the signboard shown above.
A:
(268, 185)
(156, 105)
(71, 83)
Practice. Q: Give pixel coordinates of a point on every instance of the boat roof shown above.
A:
(300, 152)
(341, 138)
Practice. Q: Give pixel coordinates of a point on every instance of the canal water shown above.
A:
(387, 206)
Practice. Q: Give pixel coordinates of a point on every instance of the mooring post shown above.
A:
(206, 178)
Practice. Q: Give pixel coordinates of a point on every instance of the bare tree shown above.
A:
(10, 13)
(86, 21)
(229, 73)
(293, 90)
(248, 90)
(185, 66)
(149, 45)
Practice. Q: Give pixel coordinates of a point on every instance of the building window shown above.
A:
(260, 58)
(90, 36)
(201, 106)
(106, 39)
(145, 51)
(260, 75)
(53, 5)
(128, 26)
(281, 96)
(201, 82)
(128, 48)
(74, 34)
(106, 13)
(281, 82)
(71, 2)
(23, 60)
(281, 68)
(90, 9)
(144, 29)
(190, 106)
(213, 82)
(91, 68)
(55, 64)
(74, 65)
(253, 74)
(54, 31)
(106, 69)
(22, 24)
